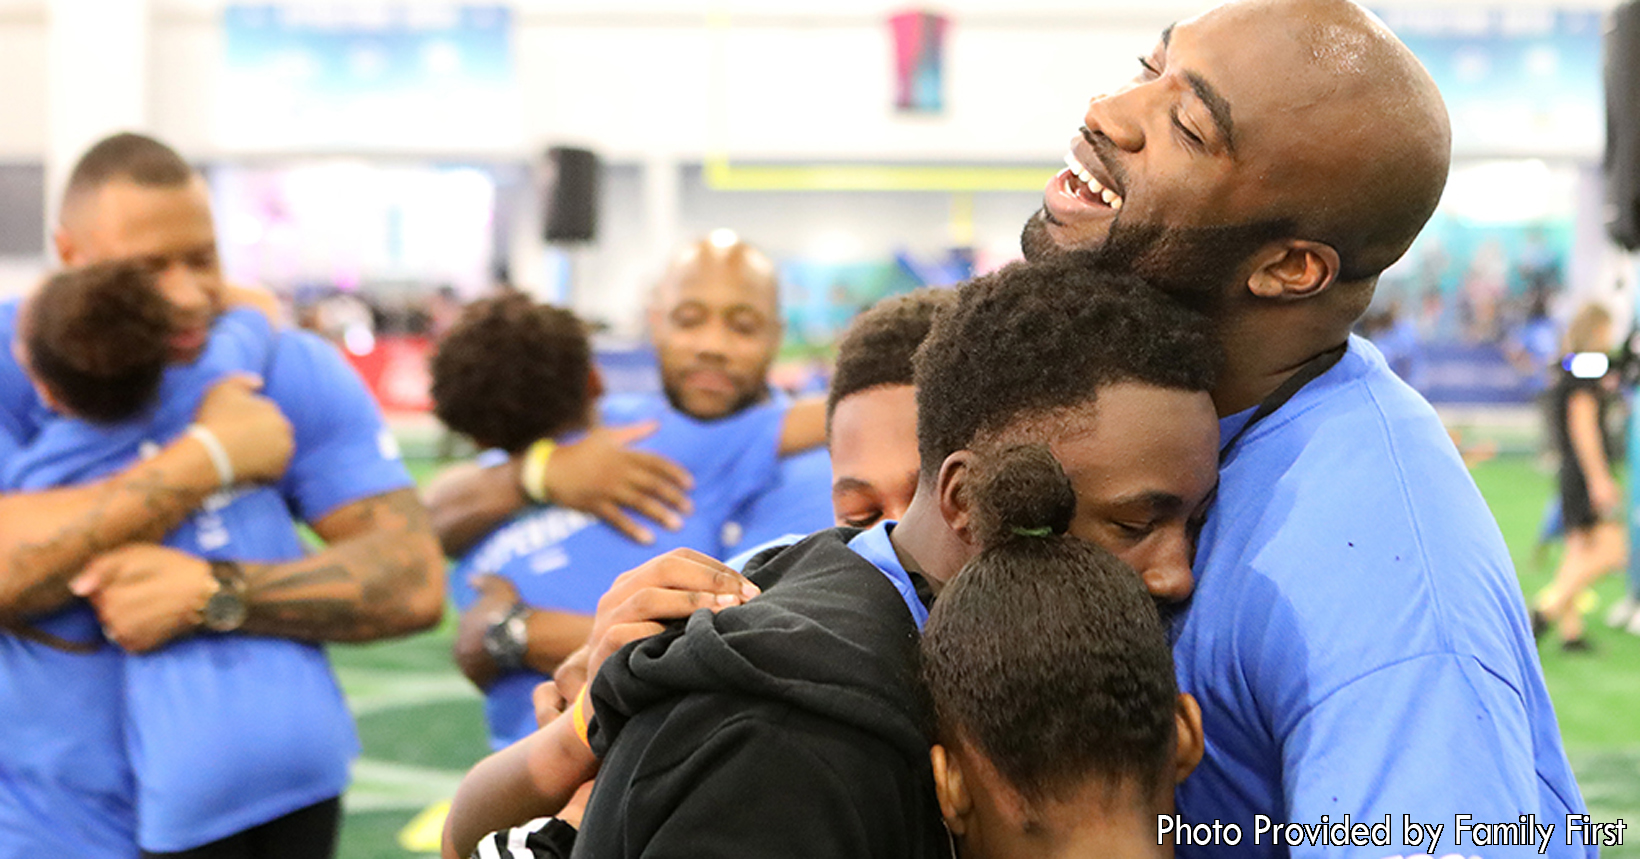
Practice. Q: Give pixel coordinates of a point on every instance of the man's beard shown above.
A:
(1197, 266)
(745, 399)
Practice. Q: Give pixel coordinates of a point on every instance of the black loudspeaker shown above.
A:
(1623, 126)
(571, 195)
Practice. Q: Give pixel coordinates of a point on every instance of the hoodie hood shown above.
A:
(829, 635)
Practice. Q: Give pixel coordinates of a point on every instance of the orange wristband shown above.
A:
(579, 716)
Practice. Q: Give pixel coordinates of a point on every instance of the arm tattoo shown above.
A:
(379, 578)
(124, 509)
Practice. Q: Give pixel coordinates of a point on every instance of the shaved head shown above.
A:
(733, 262)
(1365, 143)
(1266, 149)
(715, 318)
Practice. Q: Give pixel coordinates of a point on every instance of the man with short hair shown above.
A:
(714, 317)
(509, 372)
(1357, 638)
(212, 792)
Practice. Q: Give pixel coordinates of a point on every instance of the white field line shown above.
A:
(386, 786)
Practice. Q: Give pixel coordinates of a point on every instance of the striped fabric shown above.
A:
(541, 838)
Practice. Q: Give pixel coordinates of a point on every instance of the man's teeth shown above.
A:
(1111, 198)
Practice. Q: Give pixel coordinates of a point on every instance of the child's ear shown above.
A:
(19, 353)
(955, 802)
(954, 494)
(595, 384)
(1190, 745)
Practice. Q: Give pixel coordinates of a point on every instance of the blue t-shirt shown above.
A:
(798, 502)
(564, 560)
(227, 732)
(1357, 639)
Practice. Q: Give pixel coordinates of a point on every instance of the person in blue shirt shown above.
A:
(1357, 640)
(508, 373)
(715, 324)
(293, 747)
(317, 436)
(871, 415)
(792, 724)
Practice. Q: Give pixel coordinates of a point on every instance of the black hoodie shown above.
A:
(788, 726)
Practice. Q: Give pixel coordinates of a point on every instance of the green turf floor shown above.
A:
(422, 725)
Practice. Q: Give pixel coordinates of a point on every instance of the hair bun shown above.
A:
(1022, 493)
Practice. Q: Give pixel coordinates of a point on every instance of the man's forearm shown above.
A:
(381, 576)
(467, 502)
(47, 537)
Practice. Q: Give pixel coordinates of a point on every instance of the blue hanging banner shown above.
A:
(369, 77)
(1517, 81)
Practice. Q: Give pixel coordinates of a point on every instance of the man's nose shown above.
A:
(1116, 117)
(712, 340)
(1169, 578)
(185, 289)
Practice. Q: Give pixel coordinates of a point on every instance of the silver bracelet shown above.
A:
(218, 454)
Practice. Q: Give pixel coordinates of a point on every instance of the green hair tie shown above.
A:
(1044, 531)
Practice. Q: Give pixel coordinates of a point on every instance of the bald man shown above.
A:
(1357, 638)
(709, 379)
(716, 326)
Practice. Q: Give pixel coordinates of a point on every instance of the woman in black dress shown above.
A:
(1591, 501)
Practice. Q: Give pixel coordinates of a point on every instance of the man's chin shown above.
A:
(1039, 243)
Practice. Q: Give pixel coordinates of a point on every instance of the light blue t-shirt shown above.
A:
(564, 560)
(1357, 639)
(798, 502)
(227, 732)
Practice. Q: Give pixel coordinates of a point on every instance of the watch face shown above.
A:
(225, 611)
(506, 641)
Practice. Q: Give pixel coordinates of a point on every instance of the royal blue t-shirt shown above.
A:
(227, 732)
(564, 560)
(798, 502)
(1357, 639)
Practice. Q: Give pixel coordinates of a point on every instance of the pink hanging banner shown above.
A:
(919, 61)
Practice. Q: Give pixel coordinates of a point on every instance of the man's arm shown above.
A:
(596, 475)
(550, 636)
(46, 538)
(804, 427)
(380, 576)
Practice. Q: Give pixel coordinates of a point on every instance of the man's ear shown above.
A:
(1190, 745)
(1293, 268)
(955, 803)
(956, 500)
(64, 243)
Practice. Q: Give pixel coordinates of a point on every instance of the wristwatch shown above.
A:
(507, 638)
(225, 611)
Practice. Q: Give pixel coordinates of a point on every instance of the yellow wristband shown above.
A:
(533, 476)
(578, 715)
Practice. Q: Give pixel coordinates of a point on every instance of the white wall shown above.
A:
(667, 82)
(755, 79)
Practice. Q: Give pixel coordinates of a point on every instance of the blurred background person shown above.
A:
(1591, 501)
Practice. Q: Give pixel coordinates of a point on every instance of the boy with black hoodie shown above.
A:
(793, 725)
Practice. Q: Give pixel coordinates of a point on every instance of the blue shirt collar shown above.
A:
(874, 545)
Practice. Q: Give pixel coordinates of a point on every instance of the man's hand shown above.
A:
(600, 475)
(146, 595)
(496, 596)
(256, 436)
(669, 587)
